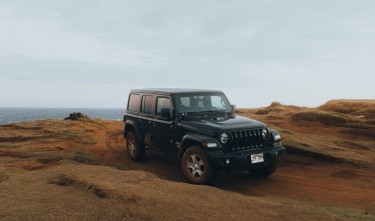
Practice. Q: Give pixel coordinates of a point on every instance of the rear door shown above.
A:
(146, 117)
(163, 131)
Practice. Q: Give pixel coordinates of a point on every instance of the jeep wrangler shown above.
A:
(201, 128)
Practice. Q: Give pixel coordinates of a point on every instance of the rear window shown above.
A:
(147, 104)
(133, 104)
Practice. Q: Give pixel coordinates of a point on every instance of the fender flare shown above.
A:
(196, 139)
(275, 133)
(131, 124)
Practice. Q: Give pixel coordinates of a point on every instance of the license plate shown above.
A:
(257, 158)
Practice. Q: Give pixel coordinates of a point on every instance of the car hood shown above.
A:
(222, 124)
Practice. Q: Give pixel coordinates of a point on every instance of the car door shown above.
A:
(146, 117)
(163, 131)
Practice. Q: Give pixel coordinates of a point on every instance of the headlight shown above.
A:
(224, 137)
(266, 133)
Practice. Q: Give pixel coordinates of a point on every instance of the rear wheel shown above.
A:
(135, 150)
(265, 171)
(196, 167)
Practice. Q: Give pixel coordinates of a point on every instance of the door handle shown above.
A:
(155, 124)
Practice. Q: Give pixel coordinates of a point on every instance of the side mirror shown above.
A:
(234, 107)
(166, 113)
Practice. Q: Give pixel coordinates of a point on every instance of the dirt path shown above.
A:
(298, 178)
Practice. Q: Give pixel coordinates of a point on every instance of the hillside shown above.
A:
(340, 130)
(78, 170)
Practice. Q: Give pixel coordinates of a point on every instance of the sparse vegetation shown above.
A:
(84, 166)
(87, 141)
(296, 144)
(355, 107)
(262, 112)
(321, 117)
(69, 134)
(9, 146)
(3, 177)
(81, 157)
(64, 180)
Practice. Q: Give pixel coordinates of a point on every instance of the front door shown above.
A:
(163, 130)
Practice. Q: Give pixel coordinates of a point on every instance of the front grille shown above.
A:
(246, 139)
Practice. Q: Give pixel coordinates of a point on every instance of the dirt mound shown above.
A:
(321, 117)
(328, 132)
(365, 108)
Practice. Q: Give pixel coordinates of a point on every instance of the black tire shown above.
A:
(136, 151)
(196, 166)
(265, 171)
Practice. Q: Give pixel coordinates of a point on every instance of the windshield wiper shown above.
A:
(192, 114)
(217, 111)
(205, 113)
(199, 113)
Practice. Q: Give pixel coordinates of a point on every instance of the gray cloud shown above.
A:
(300, 52)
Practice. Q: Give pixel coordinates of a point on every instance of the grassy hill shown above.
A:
(78, 170)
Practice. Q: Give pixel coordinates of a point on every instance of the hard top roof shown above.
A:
(173, 90)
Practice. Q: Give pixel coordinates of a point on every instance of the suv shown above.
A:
(201, 128)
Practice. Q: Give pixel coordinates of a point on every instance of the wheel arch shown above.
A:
(191, 140)
(131, 125)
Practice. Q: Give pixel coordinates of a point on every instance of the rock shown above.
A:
(76, 116)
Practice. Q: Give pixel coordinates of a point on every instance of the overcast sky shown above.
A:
(77, 53)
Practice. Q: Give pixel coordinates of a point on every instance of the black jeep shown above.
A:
(201, 128)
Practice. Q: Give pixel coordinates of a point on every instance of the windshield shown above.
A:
(202, 102)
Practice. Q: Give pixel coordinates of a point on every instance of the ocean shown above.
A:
(13, 115)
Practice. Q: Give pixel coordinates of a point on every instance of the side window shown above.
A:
(133, 103)
(147, 104)
(161, 103)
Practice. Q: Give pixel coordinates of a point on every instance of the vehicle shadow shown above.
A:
(168, 167)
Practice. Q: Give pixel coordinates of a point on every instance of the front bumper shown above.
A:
(240, 160)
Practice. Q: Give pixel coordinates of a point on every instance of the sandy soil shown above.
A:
(79, 170)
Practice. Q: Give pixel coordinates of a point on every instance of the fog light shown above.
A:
(227, 161)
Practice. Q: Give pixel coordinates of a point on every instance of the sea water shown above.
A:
(13, 115)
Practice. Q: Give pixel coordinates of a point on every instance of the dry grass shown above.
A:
(95, 192)
(334, 129)
(82, 164)
(82, 157)
(356, 107)
(3, 177)
(321, 117)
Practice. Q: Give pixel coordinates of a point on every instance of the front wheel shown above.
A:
(265, 171)
(196, 167)
(136, 151)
